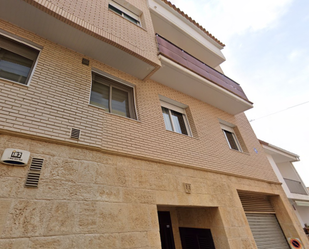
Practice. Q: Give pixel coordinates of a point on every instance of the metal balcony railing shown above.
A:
(181, 57)
(295, 187)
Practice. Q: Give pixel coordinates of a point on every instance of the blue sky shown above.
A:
(267, 52)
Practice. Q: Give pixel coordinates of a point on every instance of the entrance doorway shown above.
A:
(187, 235)
(166, 230)
(196, 238)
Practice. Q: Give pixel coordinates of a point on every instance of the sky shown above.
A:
(267, 53)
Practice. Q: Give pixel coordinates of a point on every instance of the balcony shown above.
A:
(295, 187)
(77, 35)
(185, 73)
(175, 26)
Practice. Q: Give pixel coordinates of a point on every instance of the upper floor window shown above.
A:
(175, 118)
(231, 137)
(125, 13)
(113, 96)
(17, 60)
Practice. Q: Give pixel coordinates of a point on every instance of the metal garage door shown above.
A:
(266, 231)
(261, 217)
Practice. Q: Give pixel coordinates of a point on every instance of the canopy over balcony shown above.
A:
(185, 73)
(278, 154)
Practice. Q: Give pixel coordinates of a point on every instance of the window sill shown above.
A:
(113, 114)
(15, 82)
(141, 27)
(241, 152)
(184, 135)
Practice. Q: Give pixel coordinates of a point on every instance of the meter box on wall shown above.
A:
(15, 157)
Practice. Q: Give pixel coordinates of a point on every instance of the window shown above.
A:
(231, 137)
(17, 60)
(125, 13)
(113, 96)
(175, 118)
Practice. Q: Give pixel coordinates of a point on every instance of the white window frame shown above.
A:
(118, 84)
(28, 44)
(124, 11)
(172, 107)
(231, 130)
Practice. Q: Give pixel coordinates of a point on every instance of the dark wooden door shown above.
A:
(166, 231)
(196, 238)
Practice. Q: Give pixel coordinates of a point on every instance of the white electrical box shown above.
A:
(15, 157)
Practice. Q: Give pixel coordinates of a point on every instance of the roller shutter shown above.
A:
(255, 203)
(266, 231)
(262, 220)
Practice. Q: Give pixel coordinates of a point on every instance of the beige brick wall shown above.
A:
(94, 17)
(104, 190)
(57, 99)
(89, 199)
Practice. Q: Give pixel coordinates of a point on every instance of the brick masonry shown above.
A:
(94, 18)
(57, 100)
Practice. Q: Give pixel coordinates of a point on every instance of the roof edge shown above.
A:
(193, 21)
(279, 149)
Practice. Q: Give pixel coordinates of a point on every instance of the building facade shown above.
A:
(294, 187)
(135, 137)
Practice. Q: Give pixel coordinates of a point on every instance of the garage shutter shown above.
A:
(255, 203)
(266, 231)
(262, 220)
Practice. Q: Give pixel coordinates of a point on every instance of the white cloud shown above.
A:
(225, 18)
(296, 54)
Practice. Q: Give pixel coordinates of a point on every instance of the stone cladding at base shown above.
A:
(89, 199)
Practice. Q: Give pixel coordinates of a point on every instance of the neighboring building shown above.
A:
(136, 140)
(282, 163)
